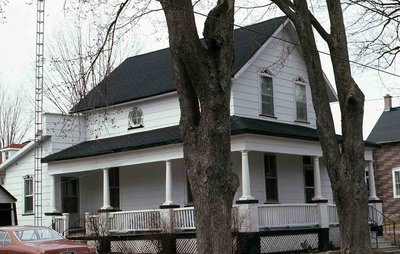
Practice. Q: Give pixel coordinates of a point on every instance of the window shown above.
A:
(7, 240)
(267, 94)
(301, 101)
(308, 178)
(135, 118)
(271, 178)
(396, 182)
(114, 187)
(28, 194)
(2, 236)
(69, 191)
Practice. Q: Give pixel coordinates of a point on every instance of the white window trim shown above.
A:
(29, 178)
(299, 81)
(131, 125)
(266, 73)
(394, 170)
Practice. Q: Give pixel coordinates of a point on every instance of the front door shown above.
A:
(70, 199)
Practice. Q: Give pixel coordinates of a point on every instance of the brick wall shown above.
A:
(385, 159)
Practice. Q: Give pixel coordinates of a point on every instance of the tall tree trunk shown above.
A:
(351, 194)
(345, 161)
(203, 80)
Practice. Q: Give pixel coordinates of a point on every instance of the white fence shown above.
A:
(287, 215)
(184, 218)
(143, 220)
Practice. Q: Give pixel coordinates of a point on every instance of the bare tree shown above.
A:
(70, 75)
(375, 30)
(203, 80)
(13, 123)
(345, 159)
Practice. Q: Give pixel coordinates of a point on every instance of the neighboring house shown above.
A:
(122, 147)
(386, 133)
(8, 213)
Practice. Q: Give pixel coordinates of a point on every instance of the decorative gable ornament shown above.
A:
(300, 80)
(267, 72)
(135, 118)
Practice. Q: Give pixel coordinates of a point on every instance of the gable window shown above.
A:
(267, 93)
(135, 118)
(271, 178)
(114, 187)
(28, 194)
(308, 178)
(396, 182)
(301, 100)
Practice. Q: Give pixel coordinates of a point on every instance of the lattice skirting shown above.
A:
(186, 246)
(136, 246)
(334, 237)
(287, 243)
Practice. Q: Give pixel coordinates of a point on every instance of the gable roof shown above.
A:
(151, 74)
(8, 194)
(387, 128)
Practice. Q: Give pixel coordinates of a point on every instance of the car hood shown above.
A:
(65, 245)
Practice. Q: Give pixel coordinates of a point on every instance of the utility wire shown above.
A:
(281, 39)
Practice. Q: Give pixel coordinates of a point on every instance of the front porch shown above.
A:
(278, 227)
(284, 189)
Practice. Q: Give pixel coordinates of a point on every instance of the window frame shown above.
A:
(301, 83)
(394, 171)
(114, 174)
(275, 178)
(31, 192)
(267, 74)
(139, 118)
(308, 167)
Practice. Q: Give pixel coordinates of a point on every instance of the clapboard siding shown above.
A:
(286, 64)
(14, 183)
(157, 113)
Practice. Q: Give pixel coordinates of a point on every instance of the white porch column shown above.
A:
(317, 180)
(168, 183)
(53, 207)
(246, 192)
(106, 190)
(371, 181)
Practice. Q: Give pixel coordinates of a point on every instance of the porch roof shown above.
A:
(171, 135)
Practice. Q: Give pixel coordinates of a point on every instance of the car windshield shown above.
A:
(36, 234)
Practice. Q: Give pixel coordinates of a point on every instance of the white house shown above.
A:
(121, 147)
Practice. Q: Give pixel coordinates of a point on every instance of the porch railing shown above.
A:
(60, 224)
(287, 215)
(333, 215)
(144, 220)
(184, 218)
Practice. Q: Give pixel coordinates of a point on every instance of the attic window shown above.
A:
(135, 118)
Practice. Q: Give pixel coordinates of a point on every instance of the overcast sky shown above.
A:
(17, 54)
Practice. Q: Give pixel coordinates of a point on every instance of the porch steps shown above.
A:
(384, 246)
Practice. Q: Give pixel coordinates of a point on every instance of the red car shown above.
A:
(38, 240)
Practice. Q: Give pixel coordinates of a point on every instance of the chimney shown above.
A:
(388, 102)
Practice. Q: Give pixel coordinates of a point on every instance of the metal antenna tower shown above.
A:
(38, 176)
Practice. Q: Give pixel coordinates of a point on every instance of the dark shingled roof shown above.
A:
(151, 74)
(171, 135)
(387, 129)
